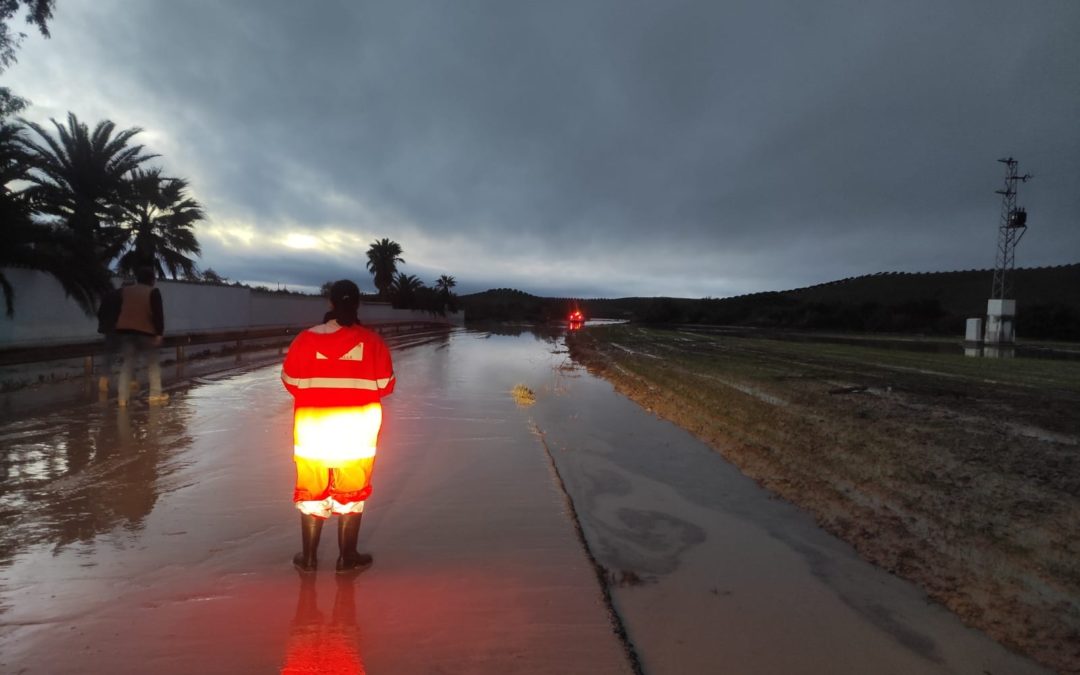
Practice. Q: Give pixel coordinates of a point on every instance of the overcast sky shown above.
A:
(588, 148)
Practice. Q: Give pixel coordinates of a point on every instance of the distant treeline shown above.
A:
(933, 303)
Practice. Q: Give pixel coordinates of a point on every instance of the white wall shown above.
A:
(269, 309)
(43, 315)
(191, 308)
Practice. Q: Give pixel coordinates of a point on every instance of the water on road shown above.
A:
(159, 540)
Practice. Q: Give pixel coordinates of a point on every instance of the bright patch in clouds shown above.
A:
(230, 235)
(301, 241)
(328, 241)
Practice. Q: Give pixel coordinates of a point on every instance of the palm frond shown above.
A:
(9, 295)
(157, 219)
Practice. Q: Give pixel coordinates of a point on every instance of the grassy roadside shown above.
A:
(960, 474)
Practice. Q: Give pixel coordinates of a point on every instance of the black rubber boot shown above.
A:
(310, 529)
(349, 560)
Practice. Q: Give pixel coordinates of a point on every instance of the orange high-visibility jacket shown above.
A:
(337, 375)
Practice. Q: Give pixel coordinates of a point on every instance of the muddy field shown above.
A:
(960, 474)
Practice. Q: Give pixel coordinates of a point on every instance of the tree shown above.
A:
(14, 164)
(383, 256)
(403, 290)
(38, 13)
(210, 276)
(154, 225)
(429, 300)
(443, 285)
(27, 244)
(78, 176)
(10, 104)
(57, 252)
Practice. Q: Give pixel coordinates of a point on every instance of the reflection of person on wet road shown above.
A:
(337, 373)
(320, 646)
(140, 325)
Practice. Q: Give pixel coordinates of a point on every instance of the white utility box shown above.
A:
(1000, 320)
(974, 332)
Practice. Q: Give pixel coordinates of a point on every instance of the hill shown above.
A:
(936, 303)
(507, 304)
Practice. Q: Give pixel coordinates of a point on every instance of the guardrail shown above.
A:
(87, 350)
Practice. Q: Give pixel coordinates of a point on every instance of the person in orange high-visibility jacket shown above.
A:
(337, 373)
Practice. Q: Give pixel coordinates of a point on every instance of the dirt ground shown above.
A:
(959, 474)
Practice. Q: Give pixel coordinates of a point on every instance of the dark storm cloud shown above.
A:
(619, 147)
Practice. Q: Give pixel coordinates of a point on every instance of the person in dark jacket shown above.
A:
(140, 326)
(108, 313)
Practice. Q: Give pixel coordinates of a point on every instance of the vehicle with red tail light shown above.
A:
(576, 319)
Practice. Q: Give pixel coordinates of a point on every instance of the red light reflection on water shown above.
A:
(318, 645)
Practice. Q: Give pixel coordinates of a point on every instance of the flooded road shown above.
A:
(159, 540)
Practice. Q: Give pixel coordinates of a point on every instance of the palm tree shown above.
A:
(403, 290)
(14, 164)
(383, 256)
(154, 225)
(78, 176)
(27, 244)
(444, 284)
